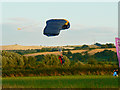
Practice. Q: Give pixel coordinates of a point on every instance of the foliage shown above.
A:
(92, 61)
(107, 55)
(97, 44)
(22, 52)
(85, 47)
(107, 45)
(14, 64)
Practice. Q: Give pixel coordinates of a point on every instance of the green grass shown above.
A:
(90, 81)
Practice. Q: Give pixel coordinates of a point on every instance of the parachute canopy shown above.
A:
(53, 26)
(19, 28)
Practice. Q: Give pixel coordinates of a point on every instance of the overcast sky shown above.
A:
(90, 22)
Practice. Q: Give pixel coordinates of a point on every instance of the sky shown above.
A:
(90, 22)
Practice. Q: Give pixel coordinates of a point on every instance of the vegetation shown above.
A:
(61, 82)
(80, 70)
(83, 47)
(99, 46)
(110, 45)
(14, 64)
(106, 55)
(22, 52)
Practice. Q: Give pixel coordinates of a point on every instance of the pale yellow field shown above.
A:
(73, 51)
(100, 50)
(20, 47)
(56, 53)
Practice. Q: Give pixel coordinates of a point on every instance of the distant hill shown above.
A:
(20, 47)
(91, 52)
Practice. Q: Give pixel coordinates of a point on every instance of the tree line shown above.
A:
(22, 52)
(14, 64)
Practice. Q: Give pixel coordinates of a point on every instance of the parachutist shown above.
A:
(115, 72)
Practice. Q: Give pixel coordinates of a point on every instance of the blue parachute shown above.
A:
(53, 26)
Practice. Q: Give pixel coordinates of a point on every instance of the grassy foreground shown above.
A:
(91, 81)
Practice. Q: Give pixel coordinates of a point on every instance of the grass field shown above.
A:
(61, 82)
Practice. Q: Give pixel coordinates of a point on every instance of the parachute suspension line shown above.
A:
(60, 50)
(27, 26)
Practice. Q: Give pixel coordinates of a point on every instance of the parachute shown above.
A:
(53, 26)
(19, 28)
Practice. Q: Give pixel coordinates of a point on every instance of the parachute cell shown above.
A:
(53, 26)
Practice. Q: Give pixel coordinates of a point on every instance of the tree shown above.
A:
(39, 57)
(77, 48)
(21, 62)
(97, 44)
(4, 61)
(77, 57)
(69, 53)
(92, 61)
(31, 60)
(67, 61)
(104, 46)
(79, 64)
(63, 52)
(52, 60)
(110, 45)
(85, 47)
(25, 59)
(86, 56)
(106, 55)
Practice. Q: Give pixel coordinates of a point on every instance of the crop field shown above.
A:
(91, 52)
(90, 81)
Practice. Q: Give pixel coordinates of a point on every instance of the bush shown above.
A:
(92, 61)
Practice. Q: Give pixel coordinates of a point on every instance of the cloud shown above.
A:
(20, 19)
(78, 26)
(24, 28)
(26, 24)
(93, 29)
(34, 35)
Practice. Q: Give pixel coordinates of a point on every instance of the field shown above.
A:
(61, 82)
(91, 52)
(20, 47)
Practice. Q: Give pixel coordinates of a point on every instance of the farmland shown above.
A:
(91, 52)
